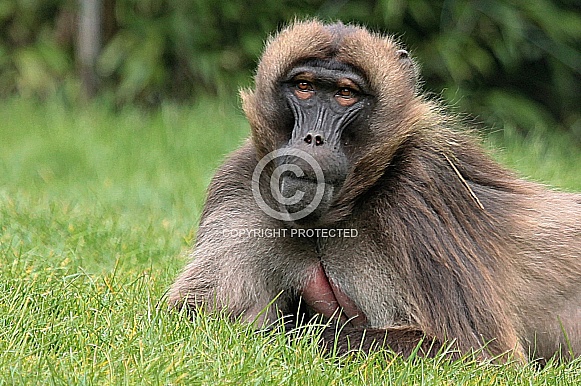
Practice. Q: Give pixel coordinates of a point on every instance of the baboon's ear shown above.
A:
(403, 56)
(408, 65)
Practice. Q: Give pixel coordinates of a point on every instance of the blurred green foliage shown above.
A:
(503, 61)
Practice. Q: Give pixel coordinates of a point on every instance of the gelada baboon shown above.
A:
(415, 233)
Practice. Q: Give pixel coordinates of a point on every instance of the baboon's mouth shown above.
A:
(326, 298)
(305, 195)
(291, 184)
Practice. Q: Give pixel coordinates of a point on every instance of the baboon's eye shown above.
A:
(304, 86)
(346, 96)
(304, 89)
(345, 93)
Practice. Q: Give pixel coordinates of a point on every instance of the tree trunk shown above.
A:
(89, 44)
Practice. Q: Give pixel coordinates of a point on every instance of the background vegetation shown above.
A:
(503, 61)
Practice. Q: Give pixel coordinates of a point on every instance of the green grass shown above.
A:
(96, 212)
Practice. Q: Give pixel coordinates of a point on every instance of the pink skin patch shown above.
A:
(325, 298)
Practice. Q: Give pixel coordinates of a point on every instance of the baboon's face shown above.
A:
(328, 106)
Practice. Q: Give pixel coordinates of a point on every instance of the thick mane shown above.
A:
(452, 235)
(401, 113)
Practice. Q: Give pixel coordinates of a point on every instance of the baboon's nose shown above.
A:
(315, 139)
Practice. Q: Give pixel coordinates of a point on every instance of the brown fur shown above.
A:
(450, 244)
